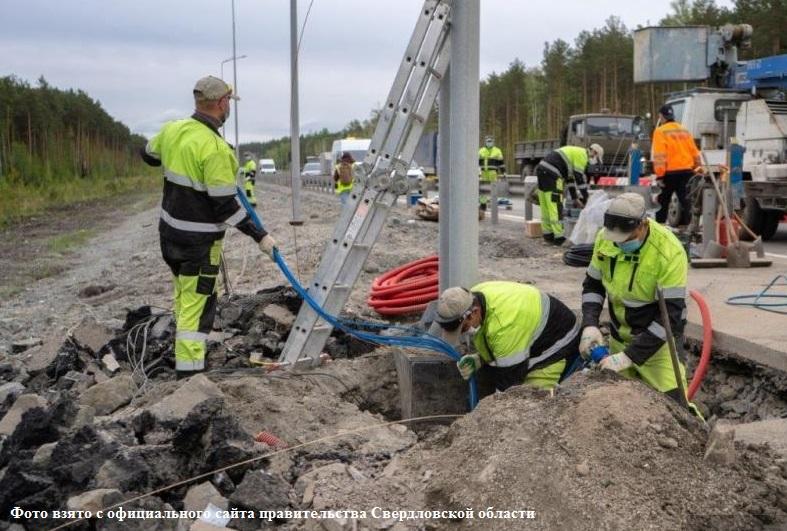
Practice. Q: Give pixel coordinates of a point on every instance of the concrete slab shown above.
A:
(430, 384)
(771, 431)
(754, 334)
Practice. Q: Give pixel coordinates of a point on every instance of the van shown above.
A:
(357, 147)
(267, 166)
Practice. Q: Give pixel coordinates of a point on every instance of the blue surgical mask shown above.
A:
(630, 246)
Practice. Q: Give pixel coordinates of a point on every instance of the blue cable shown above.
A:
(421, 339)
(758, 300)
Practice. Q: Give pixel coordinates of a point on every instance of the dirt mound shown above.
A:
(602, 453)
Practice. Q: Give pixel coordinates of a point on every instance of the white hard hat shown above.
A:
(598, 149)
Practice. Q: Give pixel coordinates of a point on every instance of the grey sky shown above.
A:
(140, 58)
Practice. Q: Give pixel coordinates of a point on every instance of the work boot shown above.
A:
(558, 241)
(548, 237)
(181, 375)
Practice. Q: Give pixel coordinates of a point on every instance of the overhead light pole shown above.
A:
(235, 82)
(295, 136)
(227, 60)
(234, 93)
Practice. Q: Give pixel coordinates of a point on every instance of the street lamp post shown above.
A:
(234, 92)
(225, 61)
(295, 137)
(235, 82)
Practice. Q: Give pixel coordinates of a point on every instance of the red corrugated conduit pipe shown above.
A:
(707, 343)
(410, 287)
(406, 289)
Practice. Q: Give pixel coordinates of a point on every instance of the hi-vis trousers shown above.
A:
(195, 270)
(550, 201)
(249, 187)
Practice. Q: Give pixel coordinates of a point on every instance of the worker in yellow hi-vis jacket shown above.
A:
(198, 205)
(250, 178)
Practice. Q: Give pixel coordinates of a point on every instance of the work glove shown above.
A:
(591, 336)
(468, 365)
(616, 362)
(267, 245)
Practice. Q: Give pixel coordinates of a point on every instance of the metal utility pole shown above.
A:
(235, 83)
(222, 78)
(461, 235)
(444, 177)
(295, 137)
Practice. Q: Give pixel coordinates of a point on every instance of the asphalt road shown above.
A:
(776, 247)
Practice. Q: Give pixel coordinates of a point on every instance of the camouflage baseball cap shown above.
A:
(210, 88)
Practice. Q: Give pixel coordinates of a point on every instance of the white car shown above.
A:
(311, 169)
(267, 166)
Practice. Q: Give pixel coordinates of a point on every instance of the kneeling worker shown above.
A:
(632, 257)
(521, 334)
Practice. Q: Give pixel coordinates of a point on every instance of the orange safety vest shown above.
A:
(673, 149)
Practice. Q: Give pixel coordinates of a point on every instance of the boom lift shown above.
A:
(744, 105)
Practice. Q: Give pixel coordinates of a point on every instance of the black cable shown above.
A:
(578, 255)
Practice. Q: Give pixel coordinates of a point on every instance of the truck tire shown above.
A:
(674, 212)
(761, 221)
(771, 225)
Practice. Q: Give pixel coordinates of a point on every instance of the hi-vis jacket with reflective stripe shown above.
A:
(576, 158)
(199, 200)
(673, 149)
(515, 315)
(490, 159)
(569, 162)
(250, 168)
(629, 282)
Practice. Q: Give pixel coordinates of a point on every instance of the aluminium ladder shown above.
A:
(378, 180)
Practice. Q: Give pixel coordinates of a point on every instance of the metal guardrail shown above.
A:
(510, 184)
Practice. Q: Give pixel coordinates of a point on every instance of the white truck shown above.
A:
(267, 166)
(357, 147)
(747, 106)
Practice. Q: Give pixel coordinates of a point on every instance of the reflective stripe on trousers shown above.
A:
(551, 213)
(249, 186)
(195, 308)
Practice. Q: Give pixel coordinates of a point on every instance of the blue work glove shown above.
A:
(468, 365)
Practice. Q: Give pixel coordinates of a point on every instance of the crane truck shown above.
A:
(744, 103)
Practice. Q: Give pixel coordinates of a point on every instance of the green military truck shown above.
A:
(614, 132)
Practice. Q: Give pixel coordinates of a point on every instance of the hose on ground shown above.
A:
(578, 255)
(417, 339)
(405, 289)
(707, 343)
(770, 302)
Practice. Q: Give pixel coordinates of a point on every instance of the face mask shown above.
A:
(629, 246)
(473, 330)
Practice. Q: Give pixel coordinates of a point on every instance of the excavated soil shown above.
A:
(600, 453)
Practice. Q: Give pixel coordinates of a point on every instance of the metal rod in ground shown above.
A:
(493, 193)
(673, 350)
(295, 140)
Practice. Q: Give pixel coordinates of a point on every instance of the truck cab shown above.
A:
(614, 132)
